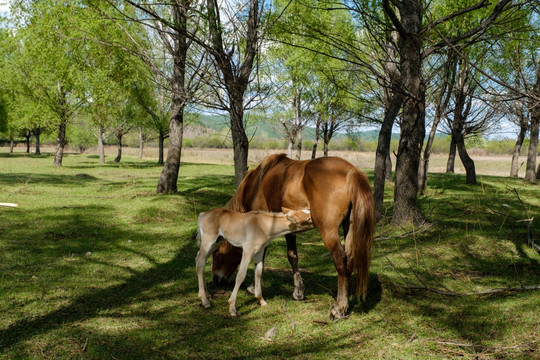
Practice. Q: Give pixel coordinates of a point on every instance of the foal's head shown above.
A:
(300, 219)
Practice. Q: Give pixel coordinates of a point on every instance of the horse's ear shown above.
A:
(285, 210)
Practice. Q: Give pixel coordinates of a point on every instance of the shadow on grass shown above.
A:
(47, 179)
(90, 305)
(24, 155)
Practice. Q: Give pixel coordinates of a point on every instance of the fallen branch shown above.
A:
(477, 293)
(289, 316)
(529, 221)
(519, 347)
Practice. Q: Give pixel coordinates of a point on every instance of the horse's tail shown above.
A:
(359, 240)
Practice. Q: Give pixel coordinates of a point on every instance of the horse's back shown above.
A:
(319, 184)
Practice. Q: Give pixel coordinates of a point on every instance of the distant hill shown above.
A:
(218, 123)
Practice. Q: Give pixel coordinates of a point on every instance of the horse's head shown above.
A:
(225, 262)
(300, 219)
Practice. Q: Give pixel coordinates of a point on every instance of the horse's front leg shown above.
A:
(258, 259)
(240, 276)
(292, 255)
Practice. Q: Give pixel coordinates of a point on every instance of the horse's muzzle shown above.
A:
(218, 280)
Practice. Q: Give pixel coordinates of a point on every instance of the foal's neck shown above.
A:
(279, 225)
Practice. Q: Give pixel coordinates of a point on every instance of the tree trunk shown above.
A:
(290, 147)
(468, 163)
(413, 119)
(298, 120)
(388, 168)
(11, 144)
(514, 169)
(530, 172)
(61, 139)
(169, 174)
(141, 143)
(60, 142)
(119, 136)
(239, 137)
(383, 153)
(317, 134)
(27, 136)
(161, 141)
(424, 161)
(37, 134)
(101, 147)
(325, 147)
(451, 157)
(440, 108)
(299, 146)
(236, 77)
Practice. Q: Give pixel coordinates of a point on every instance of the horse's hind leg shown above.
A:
(207, 247)
(333, 244)
(258, 259)
(292, 255)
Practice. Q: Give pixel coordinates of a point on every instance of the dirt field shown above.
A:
(485, 164)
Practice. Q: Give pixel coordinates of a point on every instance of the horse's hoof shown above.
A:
(263, 303)
(233, 313)
(336, 315)
(251, 289)
(206, 304)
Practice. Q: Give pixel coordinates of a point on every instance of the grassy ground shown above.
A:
(94, 264)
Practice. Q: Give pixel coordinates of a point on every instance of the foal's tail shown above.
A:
(362, 224)
(199, 229)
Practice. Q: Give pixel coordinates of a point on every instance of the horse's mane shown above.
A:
(269, 162)
(236, 202)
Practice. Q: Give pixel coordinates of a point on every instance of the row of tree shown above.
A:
(122, 64)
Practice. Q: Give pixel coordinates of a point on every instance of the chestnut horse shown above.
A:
(336, 192)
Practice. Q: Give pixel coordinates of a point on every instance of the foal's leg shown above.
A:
(242, 270)
(208, 245)
(251, 288)
(258, 258)
(292, 255)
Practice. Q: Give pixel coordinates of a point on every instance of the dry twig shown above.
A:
(289, 316)
(485, 292)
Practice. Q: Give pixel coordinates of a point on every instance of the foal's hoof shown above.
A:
(251, 289)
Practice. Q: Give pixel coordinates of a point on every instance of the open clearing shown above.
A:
(94, 264)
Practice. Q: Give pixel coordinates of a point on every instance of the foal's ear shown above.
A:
(286, 210)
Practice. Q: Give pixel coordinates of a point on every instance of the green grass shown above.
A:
(94, 264)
